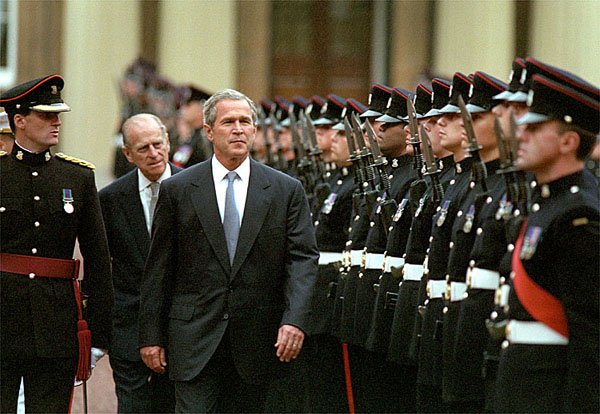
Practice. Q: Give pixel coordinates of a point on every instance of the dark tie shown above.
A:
(154, 186)
(231, 219)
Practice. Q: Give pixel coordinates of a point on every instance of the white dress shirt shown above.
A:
(146, 191)
(240, 185)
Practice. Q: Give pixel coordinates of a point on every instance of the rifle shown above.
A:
(520, 177)
(262, 122)
(506, 162)
(282, 163)
(432, 169)
(414, 138)
(365, 160)
(322, 188)
(359, 178)
(388, 204)
(304, 166)
(479, 171)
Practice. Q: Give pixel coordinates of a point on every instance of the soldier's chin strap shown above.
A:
(540, 304)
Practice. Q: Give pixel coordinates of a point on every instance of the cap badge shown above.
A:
(53, 89)
(20, 155)
(68, 201)
(568, 119)
(47, 156)
(450, 90)
(324, 108)
(432, 94)
(389, 103)
(530, 97)
(523, 76)
(308, 109)
(343, 113)
(370, 98)
(470, 90)
(510, 75)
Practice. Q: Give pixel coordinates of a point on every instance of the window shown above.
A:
(8, 43)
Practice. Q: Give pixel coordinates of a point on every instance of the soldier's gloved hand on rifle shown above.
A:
(96, 355)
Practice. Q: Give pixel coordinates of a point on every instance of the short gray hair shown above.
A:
(210, 106)
(139, 119)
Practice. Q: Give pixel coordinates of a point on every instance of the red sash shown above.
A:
(538, 302)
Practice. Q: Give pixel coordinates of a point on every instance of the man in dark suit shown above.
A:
(127, 206)
(231, 270)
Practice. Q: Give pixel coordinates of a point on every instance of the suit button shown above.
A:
(225, 316)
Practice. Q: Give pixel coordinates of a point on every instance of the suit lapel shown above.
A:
(255, 212)
(134, 212)
(204, 200)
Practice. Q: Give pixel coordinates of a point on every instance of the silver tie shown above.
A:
(154, 187)
(231, 219)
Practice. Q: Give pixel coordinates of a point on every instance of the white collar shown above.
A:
(219, 171)
(144, 182)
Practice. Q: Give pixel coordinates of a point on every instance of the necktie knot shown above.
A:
(231, 176)
(154, 186)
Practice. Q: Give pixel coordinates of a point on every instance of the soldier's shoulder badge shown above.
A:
(74, 160)
(3, 153)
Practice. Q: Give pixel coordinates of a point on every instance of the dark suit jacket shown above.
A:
(190, 292)
(129, 243)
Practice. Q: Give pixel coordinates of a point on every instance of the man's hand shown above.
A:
(289, 343)
(154, 357)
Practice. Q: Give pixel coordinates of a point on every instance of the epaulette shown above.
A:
(3, 153)
(76, 161)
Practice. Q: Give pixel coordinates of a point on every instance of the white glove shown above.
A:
(96, 355)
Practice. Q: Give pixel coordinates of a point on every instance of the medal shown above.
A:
(469, 219)
(68, 201)
(530, 242)
(400, 210)
(443, 213)
(328, 203)
(421, 204)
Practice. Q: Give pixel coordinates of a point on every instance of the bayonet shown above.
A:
(262, 122)
(478, 171)
(505, 161)
(431, 166)
(520, 177)
(275, 128)
(415, 141)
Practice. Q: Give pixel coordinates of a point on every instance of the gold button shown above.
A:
(34, 250)
(31, 275)
(36, 224)
(316, 222)
(451, 245)
(510, 247)
(535, 208)
(460, 213)
(36, 198)
(2, 209)
(479, 231)
(35, 173)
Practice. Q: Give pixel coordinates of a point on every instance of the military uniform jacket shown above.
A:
(560, 254)
(39, 315)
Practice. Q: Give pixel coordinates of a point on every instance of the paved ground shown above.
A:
(100, 389)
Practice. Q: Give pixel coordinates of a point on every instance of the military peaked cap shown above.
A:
(41, 95)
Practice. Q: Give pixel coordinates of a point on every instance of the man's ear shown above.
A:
(208, 132)
(19, 120)
(127, 153)
(569, 142)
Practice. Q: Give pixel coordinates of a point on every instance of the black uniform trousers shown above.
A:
(48, 384)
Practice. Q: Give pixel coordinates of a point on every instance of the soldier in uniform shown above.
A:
(481, 200)
(404, 319)
(549, 361)
(331, 227)
(191, 145)
(429, 377)
(47, 201)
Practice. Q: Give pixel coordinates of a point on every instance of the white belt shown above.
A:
(392, 261)
(356, 257)
(326, 258)
(374, 261)
(435, 288)
(412, 272)
(457, 291)
(478, 278)
(533, 333)
(501, 298)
